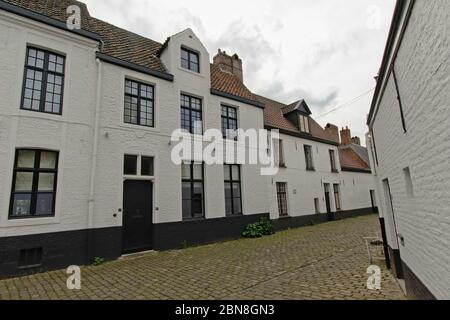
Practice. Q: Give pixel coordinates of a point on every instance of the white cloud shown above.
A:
(326, 51)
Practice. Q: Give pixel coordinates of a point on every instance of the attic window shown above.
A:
(304, 124)
(190, 60)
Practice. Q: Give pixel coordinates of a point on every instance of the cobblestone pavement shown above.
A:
(327, 261)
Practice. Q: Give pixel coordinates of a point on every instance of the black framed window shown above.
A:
(233, 193)
(147, 166)
(229, 122)
(139, 103)
(43, 83)
(309, 158)
(337, 197)
(192, 190)
(130, 165)
(191, 114)
(333, 161)
(282, 198)
(190, 60)
(34, 184)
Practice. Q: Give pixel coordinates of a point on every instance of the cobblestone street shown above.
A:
(327, 261)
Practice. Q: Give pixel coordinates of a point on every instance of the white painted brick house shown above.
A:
(86, 118)
(410, 146)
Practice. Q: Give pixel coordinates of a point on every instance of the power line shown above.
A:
(346, 104)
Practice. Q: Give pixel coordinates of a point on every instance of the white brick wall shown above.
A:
(422, 69)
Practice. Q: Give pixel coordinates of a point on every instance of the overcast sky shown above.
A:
(324, 51)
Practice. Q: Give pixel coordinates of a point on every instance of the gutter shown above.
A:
(386, 68)
(91, 200)
(302, 135)
(237, 98)
(46, 20)
(135, 67)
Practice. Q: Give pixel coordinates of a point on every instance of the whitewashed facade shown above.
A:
(410, 148)
(91, 139)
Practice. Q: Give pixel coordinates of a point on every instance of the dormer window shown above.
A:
(304, 124)
(190, 60)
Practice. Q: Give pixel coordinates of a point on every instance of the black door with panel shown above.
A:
(137, 216)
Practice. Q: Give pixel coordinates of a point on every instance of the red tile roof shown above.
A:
(274, 116)
(229, 83)
(118, 43)
(351, 160)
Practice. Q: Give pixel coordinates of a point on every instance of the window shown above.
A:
(130, 165)
(139, 104)
(229, 122)
(304, 124)
(337, 197)
(408, 182)
(281, 162)
(233, 198)
(317, 205)
(192, 190)
(333, 161)
(29, 258)
(147, 166)
(309, 158)
(191, 114)
(282, 199)
(43, 81)
(34, 184)
(190, 60)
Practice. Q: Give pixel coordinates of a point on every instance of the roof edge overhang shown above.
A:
(47, 20)
(135, 67)
(302, 135)
(237, 98)
(390, 53)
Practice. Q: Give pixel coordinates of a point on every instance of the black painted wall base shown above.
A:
(309, 220)
(176, 235)
(60, 249)
(415, 289)
(396, 263)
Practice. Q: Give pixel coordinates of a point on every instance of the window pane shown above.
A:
(198, 172)
(25, 158)
(48, 160)
(21, 205)
(184, 64)
(24, 181)
(147, 166)
(235, 171)
(197, 209)
(236, 189)
(237, 206)
(226, 172)
(186, 190)
(198, 191)
(228, 206)
(46, 181)
(44, 204)
(186, 171)
(130, 165)
(184, 54)
(227, 191)
(187, 211)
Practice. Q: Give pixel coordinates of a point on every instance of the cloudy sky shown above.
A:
(325, 51)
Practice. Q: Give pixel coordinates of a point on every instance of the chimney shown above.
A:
(231, 64)
(356, 140)
(332, 132)
(346, 136)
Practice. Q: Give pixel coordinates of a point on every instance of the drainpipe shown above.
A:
(91, 200)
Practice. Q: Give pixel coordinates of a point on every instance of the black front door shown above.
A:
(328, 203)
(137, 216)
